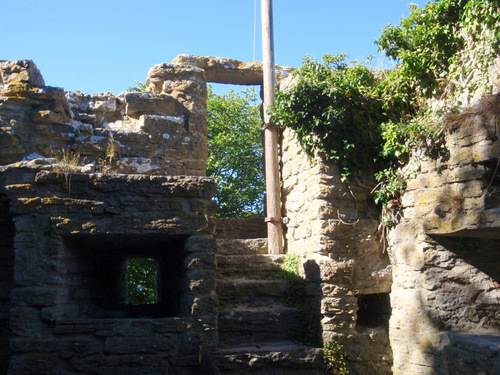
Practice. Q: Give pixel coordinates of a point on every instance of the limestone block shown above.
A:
(225, 70)
(25, 321)
(341, 322)
(103, 104)
(20, 71)
(324, 269)
(150, 344)
(469, 353)
(133, 364)
(199, 244)
(200, 261)
(175, 79)
(137, 104)
(39, 296)
(339, 305)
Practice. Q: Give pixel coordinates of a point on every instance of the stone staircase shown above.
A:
(253, 320)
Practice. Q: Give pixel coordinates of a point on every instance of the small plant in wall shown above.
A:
(335, 358)
(112, 153)
(68, 162)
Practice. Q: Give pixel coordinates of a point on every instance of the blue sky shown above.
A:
(99, 46)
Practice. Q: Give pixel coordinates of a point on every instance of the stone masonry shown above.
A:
(445, 294)
(335, 234)
(88, 182)
(70, 223)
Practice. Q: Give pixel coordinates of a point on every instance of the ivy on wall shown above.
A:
(362, 119)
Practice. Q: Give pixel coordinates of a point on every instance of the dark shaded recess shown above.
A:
(7, 232)
(107, 255)
(492, 180)
(374, 310)
(479, 248)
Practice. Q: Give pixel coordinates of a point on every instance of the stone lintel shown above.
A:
(230, 71)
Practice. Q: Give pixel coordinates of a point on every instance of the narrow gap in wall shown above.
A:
(374, 310)
(235, 149)
(7, 232)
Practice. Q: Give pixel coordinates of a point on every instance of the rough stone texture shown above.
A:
(471, 354)
(68, 227)
(73, 235)
(445, 255)
(132, 133)
(240, 228)
(224, 70)
(336, 235)
(20, 72)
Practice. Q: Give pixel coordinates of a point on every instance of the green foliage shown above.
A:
(142, 280)
(333, 111)
(235, 153)
(365, 120)
(335, 358)
(444, 40)
(139, 87)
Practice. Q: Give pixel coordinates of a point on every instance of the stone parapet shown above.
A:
(147, 133)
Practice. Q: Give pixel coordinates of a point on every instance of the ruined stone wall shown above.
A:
(159, 132)
(68, 309)
(88, 182)
(445, 255)
(333, 229)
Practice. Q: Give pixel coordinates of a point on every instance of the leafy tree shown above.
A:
(142, 280)
(235, 153)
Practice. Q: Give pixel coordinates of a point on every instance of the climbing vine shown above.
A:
(335, 358)
(368, 120)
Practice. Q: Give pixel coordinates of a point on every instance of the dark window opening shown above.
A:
(122, 276)
(374, 310)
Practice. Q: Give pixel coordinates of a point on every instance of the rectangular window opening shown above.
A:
(374, 310)
(127, 276)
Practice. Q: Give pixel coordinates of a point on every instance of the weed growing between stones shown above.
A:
(307, 329)
(68, 162)
(335, 358)
(107, 162)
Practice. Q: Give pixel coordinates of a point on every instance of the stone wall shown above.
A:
(333, 227)
(445, 255)
(88, 182)
(160, 132)
(68, 309)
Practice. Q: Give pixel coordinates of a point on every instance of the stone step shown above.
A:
(254, 266)
(278, 358)
(229, 246)
(250, 292)
(251, 325)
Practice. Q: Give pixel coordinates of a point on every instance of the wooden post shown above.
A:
(273, 189)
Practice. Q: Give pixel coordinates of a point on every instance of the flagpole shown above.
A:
(273, 190)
